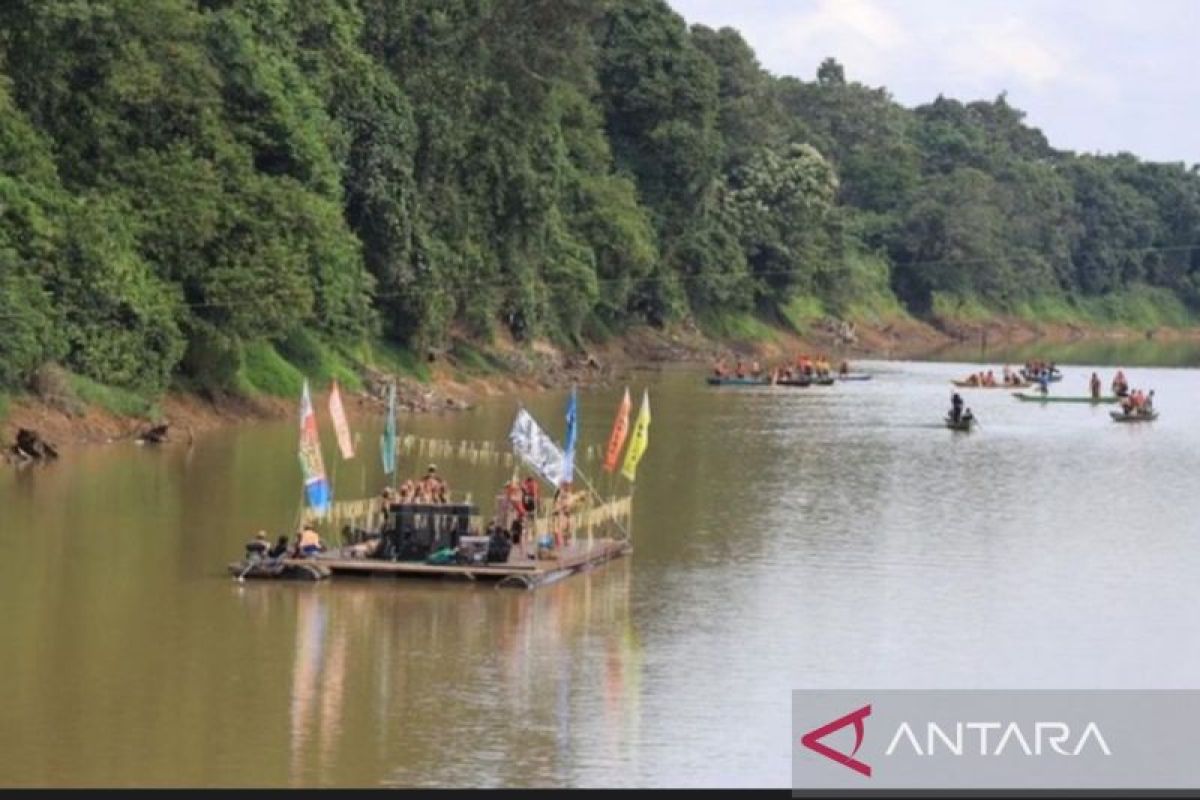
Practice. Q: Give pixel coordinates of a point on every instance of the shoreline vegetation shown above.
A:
(68, 409)
(204, 202)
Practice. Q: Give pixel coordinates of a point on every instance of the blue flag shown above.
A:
(316, 486)
(387, 442)
(568, 465)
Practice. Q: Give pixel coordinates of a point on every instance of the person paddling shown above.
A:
(956, 407)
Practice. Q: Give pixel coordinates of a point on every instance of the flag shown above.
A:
(620, 430)
(387, 442)
(639, 439)
(531, 444)
(316, 487)
(568, 465)
(340, 426)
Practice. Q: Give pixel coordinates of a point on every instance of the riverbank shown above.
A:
(459, 377)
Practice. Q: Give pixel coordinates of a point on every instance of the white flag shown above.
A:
(531, 444)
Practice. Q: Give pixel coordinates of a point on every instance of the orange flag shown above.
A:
(340, 426)
(620, 429)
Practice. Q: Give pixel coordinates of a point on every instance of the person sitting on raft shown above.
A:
(844, 369)
(258, 547)
(309, 542)
(989, 379)
(956, 407)
(720, 370)
(280, 550)
(1094, 386)
(1120, 386)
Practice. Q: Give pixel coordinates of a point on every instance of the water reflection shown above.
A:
(464, 684)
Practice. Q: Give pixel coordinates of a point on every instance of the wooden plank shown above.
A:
(602, 550)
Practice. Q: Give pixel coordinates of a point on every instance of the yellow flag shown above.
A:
(638, 440)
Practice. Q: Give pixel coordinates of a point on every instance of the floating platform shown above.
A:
(521, 570)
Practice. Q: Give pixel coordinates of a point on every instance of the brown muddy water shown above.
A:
(784, 539)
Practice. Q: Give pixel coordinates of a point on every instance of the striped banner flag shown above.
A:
(340, 426)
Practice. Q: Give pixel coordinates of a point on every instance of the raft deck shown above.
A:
(520, 569)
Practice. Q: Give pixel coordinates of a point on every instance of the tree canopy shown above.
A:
(180, 179)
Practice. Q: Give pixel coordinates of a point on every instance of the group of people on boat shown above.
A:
(740, 370)
(430, 489)
(523, 502)
(988, 378)
(959, 414)
(1138, 402)
(1038, 370)
(306, 544)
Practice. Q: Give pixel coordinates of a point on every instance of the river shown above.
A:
(784, 539)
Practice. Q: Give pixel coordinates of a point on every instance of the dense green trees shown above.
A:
(183, 179)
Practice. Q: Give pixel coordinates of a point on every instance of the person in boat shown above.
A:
(967, 417)
(956, 407)
(990, 380)
(258, 548)
(720, 369)
(280, 550)
(740, 369)
(1094, 386)
(309, 542)
(1007, 373)
(1120, 386)
(530, 498)
(755, 369)
(1043, 382)
(513, 510)
(844, 368)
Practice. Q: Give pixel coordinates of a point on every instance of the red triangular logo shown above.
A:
(812, 740)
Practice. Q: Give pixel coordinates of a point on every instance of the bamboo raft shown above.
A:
(519, 571)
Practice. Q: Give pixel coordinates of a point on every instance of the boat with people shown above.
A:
(964, 423)
(419, 529)
(1036, 371)
(1040, 398)
(959, 418)
(1137, 406)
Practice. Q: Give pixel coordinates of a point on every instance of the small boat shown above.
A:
(713, 380)
(855, 376)
(1054, 377)
(969, 385)
(805, 382)
(1137, 416)
(965, 424)
(1037, 398)
(280, 569)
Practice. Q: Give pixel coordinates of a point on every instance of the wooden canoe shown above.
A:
(279, 570)
(964, 424)
(713, 380)
(1037, 398)
(1121, 416)
(969, 385)
(801, 382)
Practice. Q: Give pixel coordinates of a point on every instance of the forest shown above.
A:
(197, 194)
